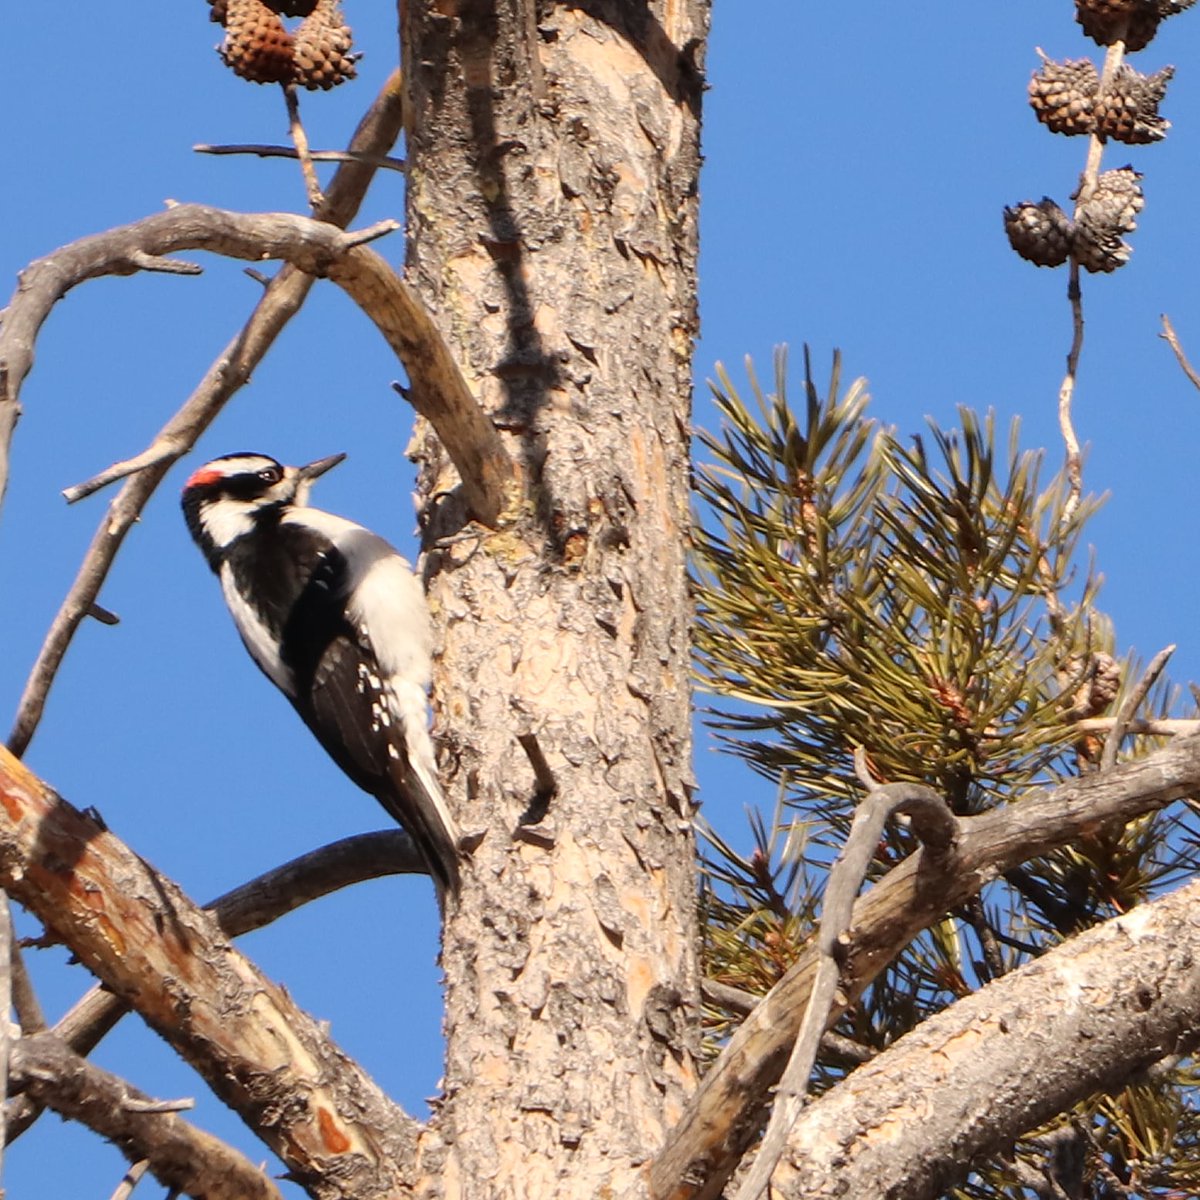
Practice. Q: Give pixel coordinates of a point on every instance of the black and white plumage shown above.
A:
(338, 622)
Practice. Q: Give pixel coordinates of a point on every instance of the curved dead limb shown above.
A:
(932, 814)
(283, 298)
(242, 910)
(726, 1112)
(340, 1136)
(439, 391)
(178, 1154)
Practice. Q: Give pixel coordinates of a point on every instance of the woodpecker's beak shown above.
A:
(314, 470)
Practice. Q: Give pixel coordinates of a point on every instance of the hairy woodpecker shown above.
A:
(338, 622)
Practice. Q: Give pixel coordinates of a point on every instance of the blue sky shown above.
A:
(858, 157)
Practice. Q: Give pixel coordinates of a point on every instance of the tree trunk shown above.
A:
(552, 204)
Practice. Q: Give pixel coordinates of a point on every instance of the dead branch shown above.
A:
(824, 1004)
(725, 1114)
(1083, 1018)
(376, 133)
(300, 139)
(130, 1180)
(1168, 727)
(1132, 703)
(25, 1001)
(178, 1154)
(1172, 339)
(251, 906)
(136, 931)
(381, 161)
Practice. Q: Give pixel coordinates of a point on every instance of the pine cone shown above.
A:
(1103, 20)
(1039, 232)
(1062, 95)
(1100, 688)
(1110, 211)
(256, 46)
(323, 42)
(1127, 110)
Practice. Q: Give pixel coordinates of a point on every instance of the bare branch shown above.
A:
(1169, 727)
(725, 1114)
(1083, 1018)
(824, 1005)
(1172, 340)
(178, 1154)
(130, 1180)
(381, 161)
(244, 909)
(25, 1001)
(1133, 702)
(300, 138)
(137, 932)
(376, 133)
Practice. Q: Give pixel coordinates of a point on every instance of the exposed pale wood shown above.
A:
(967, 1082)
(251, 906)
(724, 1117)
(341, 1138)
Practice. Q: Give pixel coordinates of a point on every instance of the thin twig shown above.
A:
(1087, 184)
(178, 1153)
(134, 1105)
(735, 1000)
(131, 1179)
(930, 814)
(25, 1002)
(376, 133)
(1164, 727)
(1172, 339)
(381, 161)
(547, 785)
(300, 138)
(1130, 706)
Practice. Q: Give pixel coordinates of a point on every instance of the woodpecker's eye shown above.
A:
(270, 475)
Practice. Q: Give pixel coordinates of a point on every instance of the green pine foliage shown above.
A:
(919, 599)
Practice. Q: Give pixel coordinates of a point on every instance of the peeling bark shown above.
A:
(137, 932)
(553, 159)
(969, 1080)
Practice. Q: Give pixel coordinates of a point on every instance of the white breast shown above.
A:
(386, 602)
(255, 635)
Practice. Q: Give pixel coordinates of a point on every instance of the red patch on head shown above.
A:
(203, 478)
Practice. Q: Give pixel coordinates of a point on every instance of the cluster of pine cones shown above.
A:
(259, 47)
(1068, 98)
(1072, 97)
(1047, 237)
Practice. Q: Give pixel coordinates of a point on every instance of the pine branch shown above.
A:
(727, 1110)
(1083, 1019)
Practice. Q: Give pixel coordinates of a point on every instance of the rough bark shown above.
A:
(341, 1138)
(998, 1063)
(553, 158)
(725, 1115)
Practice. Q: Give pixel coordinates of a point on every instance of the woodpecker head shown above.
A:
(229, 497)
